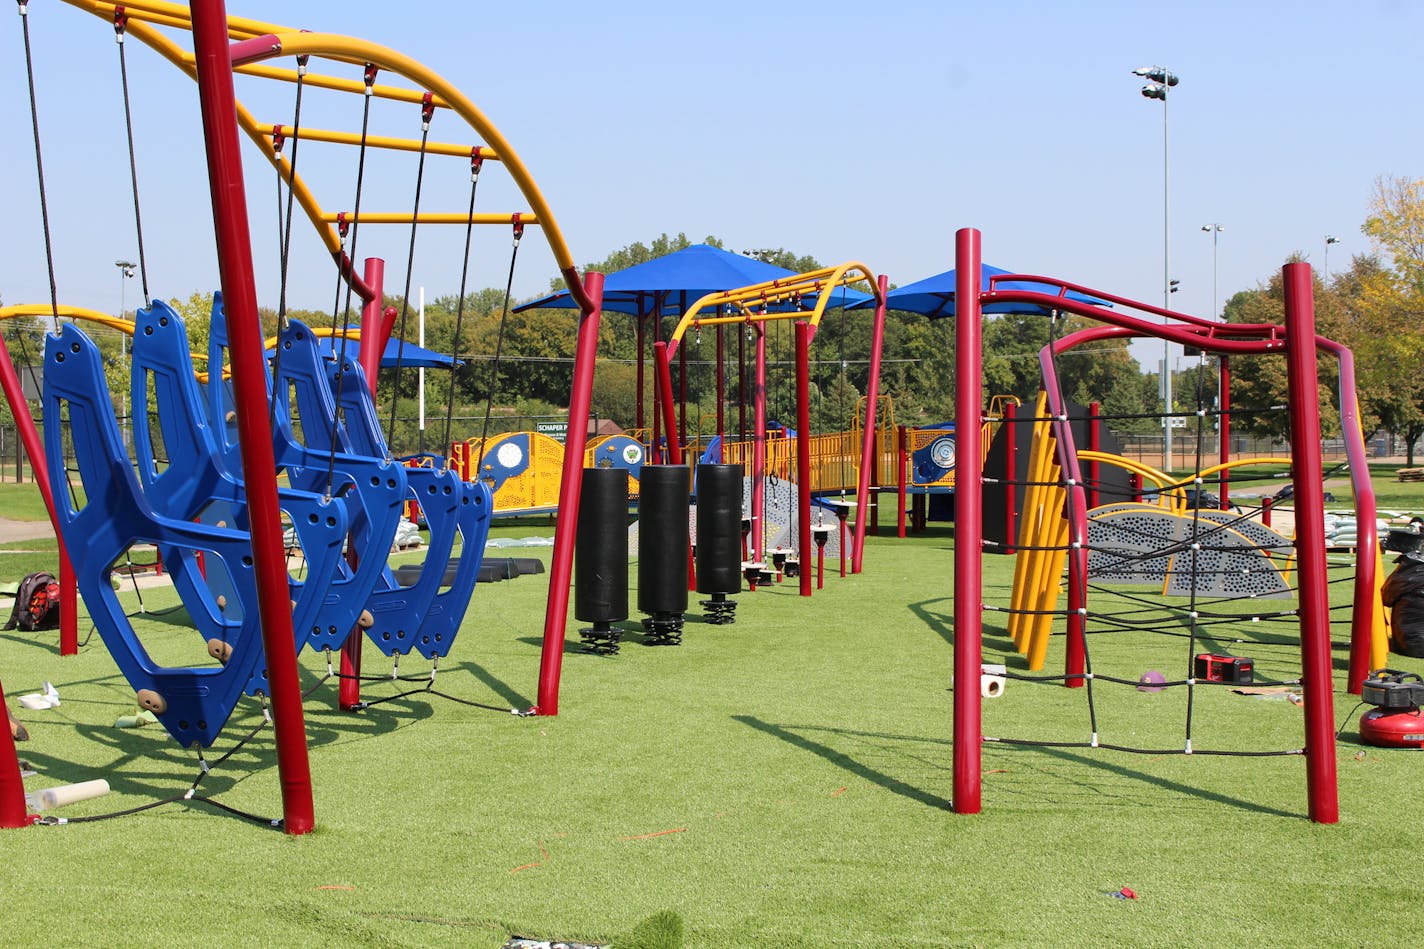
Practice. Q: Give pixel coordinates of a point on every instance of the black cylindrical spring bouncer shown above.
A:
(719, 539)
(664, 499)
(601, 558)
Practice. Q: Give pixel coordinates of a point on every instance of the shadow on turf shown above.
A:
(790, 735)
(496, 685)
(995, 636)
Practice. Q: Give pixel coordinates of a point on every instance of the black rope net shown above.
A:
(1218, 583)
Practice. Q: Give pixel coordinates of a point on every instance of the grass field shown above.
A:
(783, 781)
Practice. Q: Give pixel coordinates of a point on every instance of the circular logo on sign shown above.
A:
(942, 452)
(509, 455)
(632, 454)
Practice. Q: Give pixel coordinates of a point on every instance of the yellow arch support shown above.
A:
(746, 302)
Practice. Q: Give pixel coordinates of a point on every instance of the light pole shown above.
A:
(1159, 80)
(1215, 231)
(126, 272)
(1329, 239)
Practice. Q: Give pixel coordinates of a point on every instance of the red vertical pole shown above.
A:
(968, 526)
(662, 378)
(721, 385)
(234, 251)
(1302, 380)
(30, 438)
(1010, 478)
(1095, 443)
(902, 457)
(1266, 510)
(638, 412)
(376, 324)
(681, 397)
(656, 426)
(741, 387)
(12, 785)
(758, 471)
(556, 610)
(803, 452)
(868, 440)
(1223, 424)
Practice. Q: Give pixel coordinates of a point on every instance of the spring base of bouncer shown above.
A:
(663, 629)
(719, 610)
(601, 638)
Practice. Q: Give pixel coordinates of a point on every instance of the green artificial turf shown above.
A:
(783, 781)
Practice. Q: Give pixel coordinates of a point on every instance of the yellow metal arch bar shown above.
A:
(431, 217)
(385, 141)
(821, 283)
(45, 311)
(327, 44)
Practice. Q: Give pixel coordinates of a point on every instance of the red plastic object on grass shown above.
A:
(1402, 728)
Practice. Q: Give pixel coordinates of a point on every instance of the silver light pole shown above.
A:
(126, 272)
(1215, 231)
(1159, 80)
(1329, 239)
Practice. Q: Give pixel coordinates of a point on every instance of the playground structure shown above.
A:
(1298, 343)
(755, 307)
(263, 575)
(260, 625)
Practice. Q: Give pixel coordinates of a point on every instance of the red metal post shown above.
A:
(1095, 443)
(1010, 477)
(641, 333)
(741, 387)
(868, 439)
(376, 325)
(662, 376)
(1223, 424)
(758, 471)
(1266, 511)
(803, 452)
(556, 610)
(681, 397)
(376, 322)
(902, 457)
(721, 384)
(968, 526)
(655, 451)
(234, 252)
(30, 438)
(12, 785)
(1303, 382)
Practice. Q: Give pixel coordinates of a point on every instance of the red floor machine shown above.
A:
(1395, 721)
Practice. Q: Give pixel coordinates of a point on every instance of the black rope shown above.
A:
(345, 317)
(120, 25)
(285, 220)
(1144, 751)
(427, 110)
(499, 337)
(476, 162)
(39, 173)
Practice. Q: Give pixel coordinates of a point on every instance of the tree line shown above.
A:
(1375, 306)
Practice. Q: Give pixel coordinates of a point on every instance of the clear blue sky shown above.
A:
(840, 130)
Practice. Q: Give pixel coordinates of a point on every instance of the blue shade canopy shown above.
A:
(409, 356)
(934, 296)
(668, 285)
